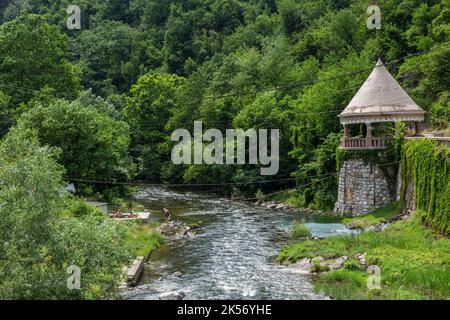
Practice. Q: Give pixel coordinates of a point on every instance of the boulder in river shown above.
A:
(175, 230)
(302, 266)
(173, 295)
(271, 205)
(177, 274)
(318, 259)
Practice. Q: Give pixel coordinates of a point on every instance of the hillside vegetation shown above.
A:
(145, 68)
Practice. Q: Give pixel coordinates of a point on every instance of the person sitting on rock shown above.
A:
(166, 214)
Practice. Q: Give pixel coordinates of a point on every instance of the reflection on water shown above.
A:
(233, 255)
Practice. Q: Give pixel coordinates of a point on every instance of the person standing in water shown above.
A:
(166, 214)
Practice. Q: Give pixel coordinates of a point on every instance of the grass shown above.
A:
(127, 205)
(300, 231)
(143, 239)
(290, 197)
(341, 284)
(296, 198)
(377, 216)
(414, 263)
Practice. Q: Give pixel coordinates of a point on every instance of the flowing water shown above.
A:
(233, 254)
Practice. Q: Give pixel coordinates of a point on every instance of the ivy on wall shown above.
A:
(428, 164)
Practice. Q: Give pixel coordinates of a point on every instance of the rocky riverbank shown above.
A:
(411, 262)
(172, 231)
(320, 264)
(369, 223)
(176, 230)
(285, 206)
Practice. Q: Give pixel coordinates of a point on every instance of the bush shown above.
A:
(42, 233)
(92, 144)
(351, 264)
(317, 267)
(259, 195)
(300, 231)
(80, 209)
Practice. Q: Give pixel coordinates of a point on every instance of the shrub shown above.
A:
(351, 264)
(39, 242)
(300, 231)
(259, 195)
(79, 209)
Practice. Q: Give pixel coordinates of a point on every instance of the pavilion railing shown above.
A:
(373, 143)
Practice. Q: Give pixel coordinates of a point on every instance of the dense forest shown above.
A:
(109, 94)
(96, 106)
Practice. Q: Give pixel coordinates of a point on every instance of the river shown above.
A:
(233, 255)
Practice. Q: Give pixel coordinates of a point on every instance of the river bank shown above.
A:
(143, 239)
(232, 254)
(413, 262)
(243, 251)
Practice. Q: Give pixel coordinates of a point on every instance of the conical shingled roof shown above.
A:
(381, 99)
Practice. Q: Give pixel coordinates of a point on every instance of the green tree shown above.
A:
(148, 110)
(93, 144)
(116, 68)
(291, 16)
(33, 57)
(178, 38)
(38, 243)
(265, 112)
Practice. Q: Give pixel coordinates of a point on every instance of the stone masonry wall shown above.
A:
(363, 187)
